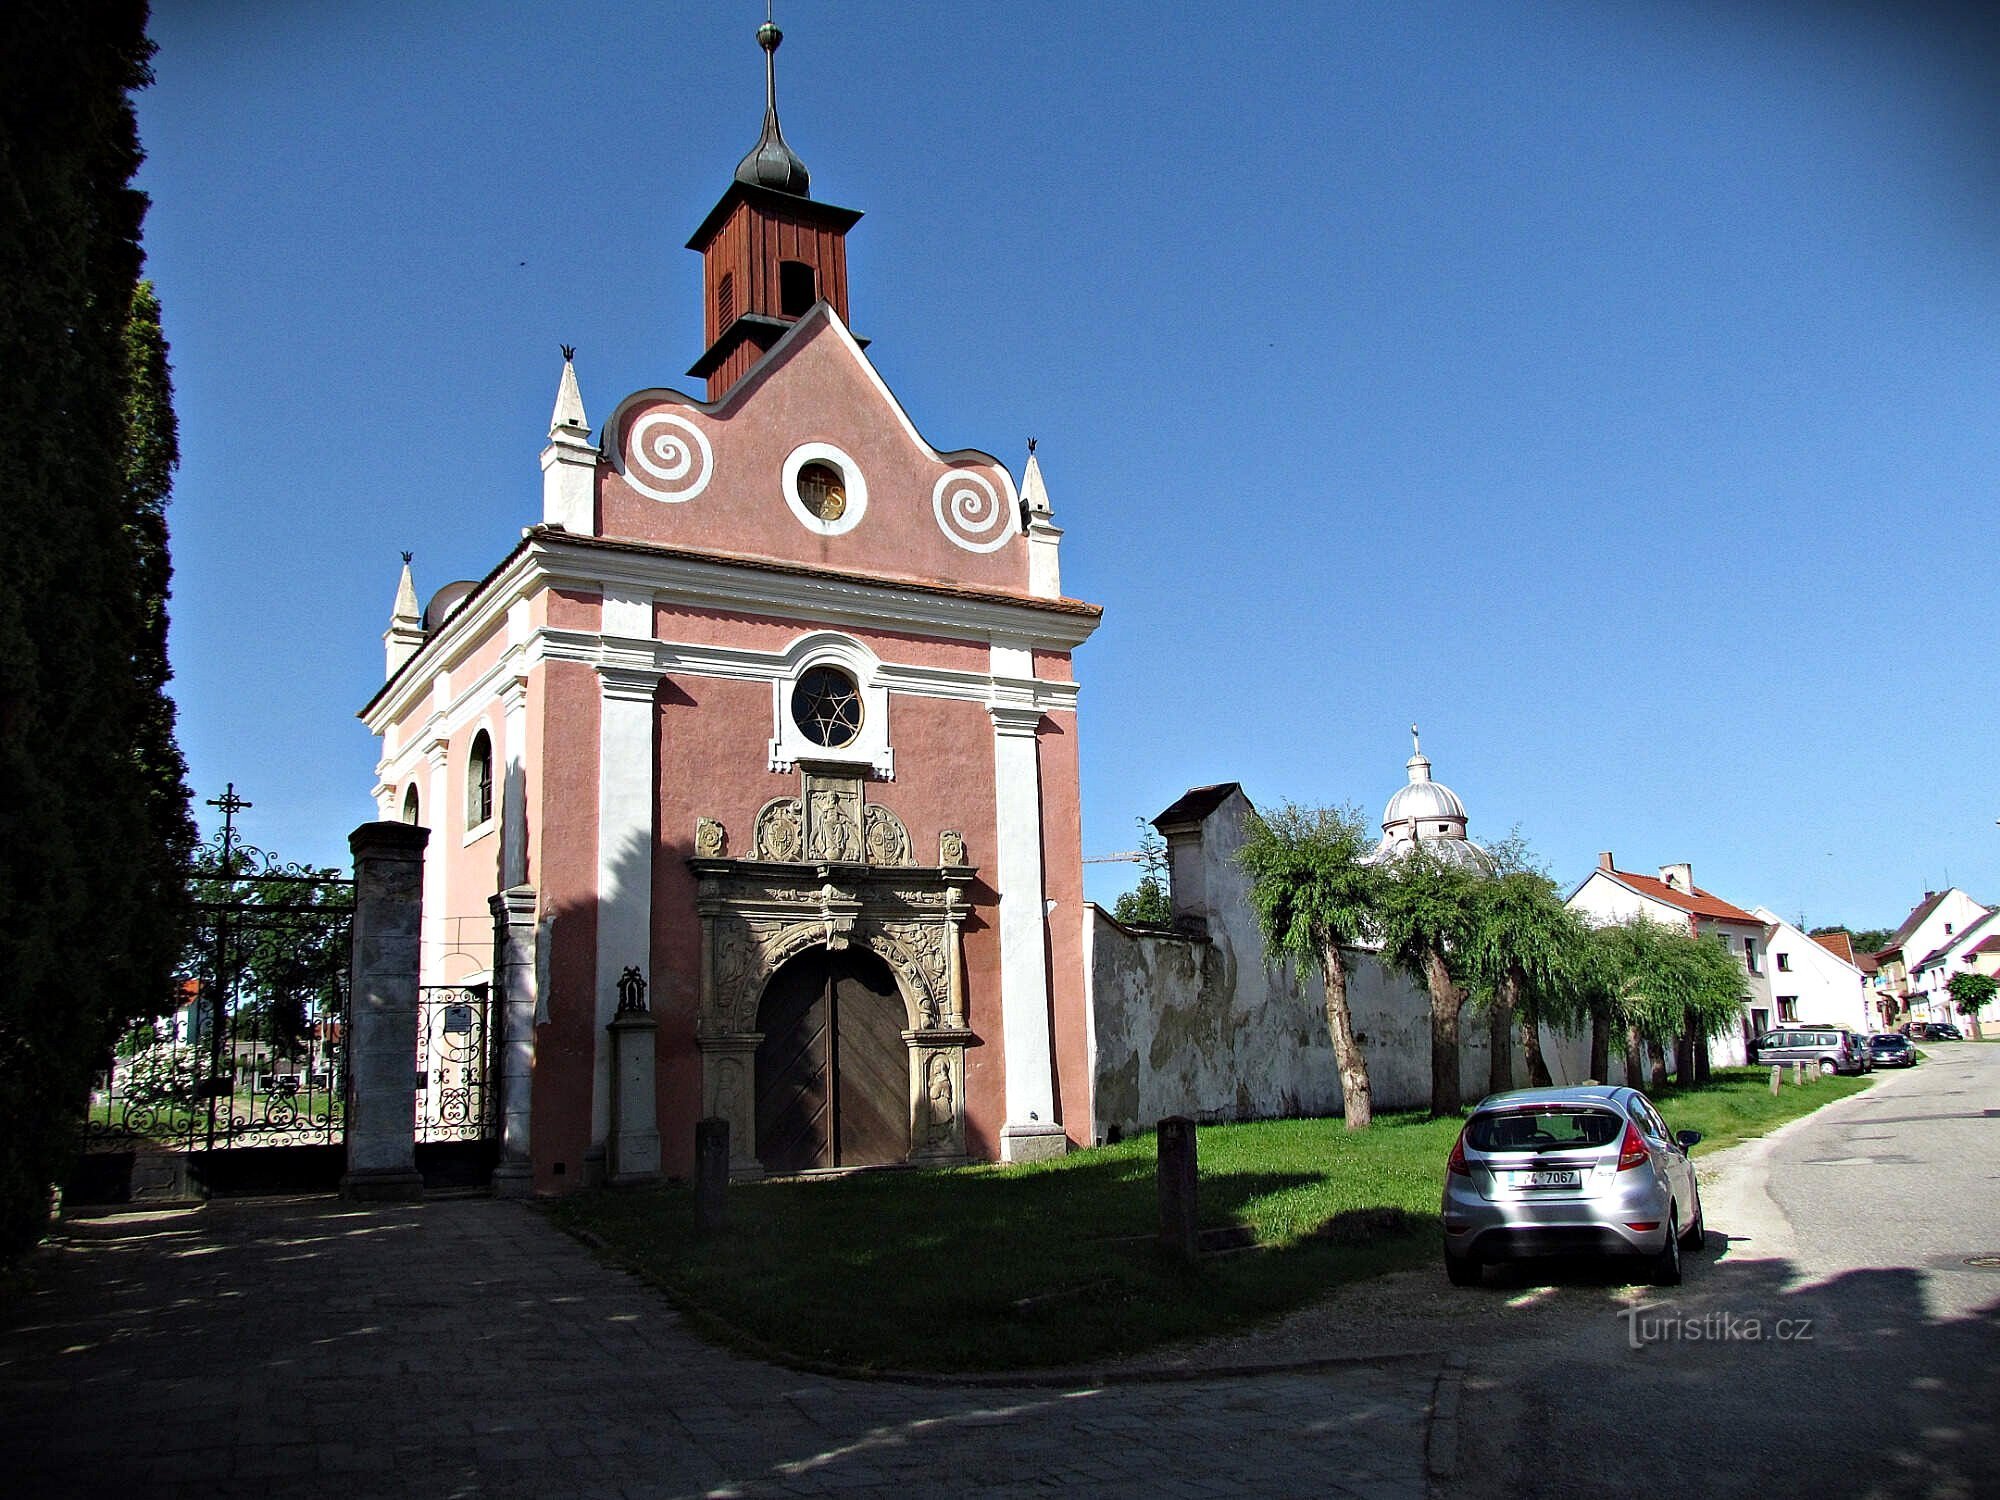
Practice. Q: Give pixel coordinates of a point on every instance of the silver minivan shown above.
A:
(1830, 1049)
(1563, 1170)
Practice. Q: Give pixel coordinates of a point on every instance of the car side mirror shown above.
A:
(1687, 1140)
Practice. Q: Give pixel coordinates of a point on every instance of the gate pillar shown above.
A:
(514, 961)
(382, 1012)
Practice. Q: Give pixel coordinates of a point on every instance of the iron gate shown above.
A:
(457, 1093)
(249, 1050)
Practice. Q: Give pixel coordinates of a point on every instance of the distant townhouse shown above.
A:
(1974, 949)
(1609, 894)
(1815, 979)
(1930, 926)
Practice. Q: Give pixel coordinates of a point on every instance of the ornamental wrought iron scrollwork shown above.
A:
(247, 1050)
(779, 833)
(456, 1095)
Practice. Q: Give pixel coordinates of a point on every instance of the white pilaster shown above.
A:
(1031, 1130)
(625, 834)
(514, 784)
(444, 817)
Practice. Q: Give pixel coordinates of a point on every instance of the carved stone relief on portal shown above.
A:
(780, 831)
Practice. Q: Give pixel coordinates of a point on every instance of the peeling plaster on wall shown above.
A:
(1199, 1026)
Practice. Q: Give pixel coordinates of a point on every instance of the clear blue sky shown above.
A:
(1613, 389)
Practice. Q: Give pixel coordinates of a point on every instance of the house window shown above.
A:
(1750, 954)
(479, 782)
(1947, 929)
(1784, 963)
(1788, 1007)
(411, 813)
(796, 292)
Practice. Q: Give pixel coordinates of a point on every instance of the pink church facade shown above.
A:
(774, 709)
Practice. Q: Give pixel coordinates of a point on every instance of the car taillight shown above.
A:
(1456, 1164)
(1632, 1150)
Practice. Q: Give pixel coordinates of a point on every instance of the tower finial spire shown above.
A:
(771, 163)
(1416, 744)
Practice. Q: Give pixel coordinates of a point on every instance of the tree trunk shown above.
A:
(1702, 1064)
(1531, 1044)
(1500, 1015)
(1684, 1050)
(1659, 1069)
(1972, 1020)
(1447, 1000)
(1600, 1045)
(1357, 1102)
(1635, 1058)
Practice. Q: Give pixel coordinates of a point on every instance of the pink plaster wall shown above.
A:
(813, 390)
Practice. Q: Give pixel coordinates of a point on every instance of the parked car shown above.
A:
(1565, 1170)
(1827, 1048)
(1858, 1045)
(1892, 1050)
(1945, 1031)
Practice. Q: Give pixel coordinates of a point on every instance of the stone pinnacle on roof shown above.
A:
(406, 611)
(771, 163)
(568, 416)
(1034, 494)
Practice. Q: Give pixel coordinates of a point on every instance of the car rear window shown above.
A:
(1546, 1128)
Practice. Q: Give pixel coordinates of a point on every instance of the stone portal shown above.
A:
(832, 1026)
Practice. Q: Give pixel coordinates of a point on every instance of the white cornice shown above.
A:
(718, 584)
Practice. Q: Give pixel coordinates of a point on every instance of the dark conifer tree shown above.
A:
(87, 783)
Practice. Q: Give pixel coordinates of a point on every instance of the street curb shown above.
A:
(730, 1336)
(1441, 1435)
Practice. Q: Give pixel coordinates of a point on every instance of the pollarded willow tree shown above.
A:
(1426, 919)
(1526, 952)
(1667, 983)
(1314, 892)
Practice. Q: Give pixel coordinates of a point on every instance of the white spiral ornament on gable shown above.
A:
(972, 512)
(667, 457)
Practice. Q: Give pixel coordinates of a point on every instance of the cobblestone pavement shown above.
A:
(467, 1348)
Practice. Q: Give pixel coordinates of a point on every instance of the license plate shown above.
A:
(1548, 1179)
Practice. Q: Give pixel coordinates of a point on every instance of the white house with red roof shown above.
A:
(1972, 949)
(1931, 928)
(1815, 979)
(1609, 894)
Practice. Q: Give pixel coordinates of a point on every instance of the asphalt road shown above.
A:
(1832, 1340)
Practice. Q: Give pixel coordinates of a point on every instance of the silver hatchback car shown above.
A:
(1562, 1171)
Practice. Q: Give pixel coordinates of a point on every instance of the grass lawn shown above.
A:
(994, 1268)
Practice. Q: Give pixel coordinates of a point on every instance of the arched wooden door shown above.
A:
(833, 1073)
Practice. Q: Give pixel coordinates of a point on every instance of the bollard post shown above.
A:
(1180, 1234)
(1777, 1079)
(711, 1169)
(1798, 1074)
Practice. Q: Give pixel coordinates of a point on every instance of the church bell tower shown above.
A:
(769, 251)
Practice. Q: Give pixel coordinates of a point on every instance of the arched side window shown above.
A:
(479, 782)
(412, 812)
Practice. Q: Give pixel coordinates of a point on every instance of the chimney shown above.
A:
(1604, 861)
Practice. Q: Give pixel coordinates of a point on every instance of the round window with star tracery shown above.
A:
(826, 705)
